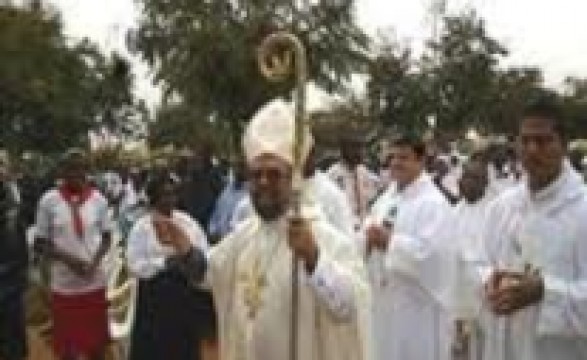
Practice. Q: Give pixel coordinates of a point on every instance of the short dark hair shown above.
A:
(351, 138)
(155, 186)
(549, 108)
(72, 157)
(412, 141)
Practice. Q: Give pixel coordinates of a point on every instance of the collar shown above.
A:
(423, 181)
(566, 187)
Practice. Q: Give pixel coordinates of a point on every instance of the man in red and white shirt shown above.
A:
(74, 234)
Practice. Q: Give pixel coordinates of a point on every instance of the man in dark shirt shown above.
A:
(200, 184)
(13, 269)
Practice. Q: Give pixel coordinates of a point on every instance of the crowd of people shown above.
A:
(429, 256)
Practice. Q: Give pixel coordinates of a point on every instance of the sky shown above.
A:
(545, 33)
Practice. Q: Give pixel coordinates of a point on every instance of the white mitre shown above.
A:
(271, 131)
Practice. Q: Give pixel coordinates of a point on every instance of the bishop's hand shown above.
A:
(302, 242)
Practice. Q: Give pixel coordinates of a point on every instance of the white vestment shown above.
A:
(547, 230)
(334, 301)
(360, 186)
(499, 184)
(332, 201)
(410, 321)
(464, 237)
(464, 232)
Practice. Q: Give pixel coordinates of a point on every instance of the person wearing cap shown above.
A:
(318, 188)
(250, 271)
(73, 234)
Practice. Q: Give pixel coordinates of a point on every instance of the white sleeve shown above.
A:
(563, 311)
(197, 236)
(421, 255)
(338, 210)
(105, 221)
(43, 219)
(339, 281)
(333, 288)
(140, 261)
(494, 233)
(468, 265)
(407, 251)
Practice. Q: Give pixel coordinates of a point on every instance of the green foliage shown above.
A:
(575, 102)
(52, 92)
(464, 70)
(458, 82)
(399, 96)
(204, 52)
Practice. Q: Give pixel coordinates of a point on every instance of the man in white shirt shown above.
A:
(463, 232)
(73, 232)
(536, 271)
(358, 183)
(403, 249)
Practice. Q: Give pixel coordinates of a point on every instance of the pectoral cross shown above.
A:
(253, 291)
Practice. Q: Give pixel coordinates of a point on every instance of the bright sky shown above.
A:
(549, 34)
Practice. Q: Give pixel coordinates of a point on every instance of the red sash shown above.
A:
(76, 198)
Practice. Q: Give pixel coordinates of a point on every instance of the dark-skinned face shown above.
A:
(473, 181)
(352, 153)
(74, 175)
(166, 199)
(270, 180)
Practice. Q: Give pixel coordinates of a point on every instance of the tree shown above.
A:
(118, 112)
(397, 91)
(575, 102)
(51, 92)
(203, 52)
(458, 81)
(463, 65)
(512, 90)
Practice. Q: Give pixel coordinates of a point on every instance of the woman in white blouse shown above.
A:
(161, 254)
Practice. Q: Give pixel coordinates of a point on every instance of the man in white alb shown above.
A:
(536, 271)
(403, 243)
(358, 183)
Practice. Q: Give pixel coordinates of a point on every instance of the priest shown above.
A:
(536, 274)
(405, 252)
